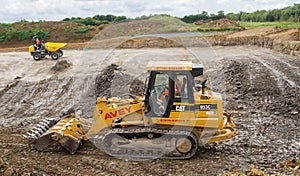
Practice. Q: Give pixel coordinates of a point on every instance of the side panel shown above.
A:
(30, 49)
(104, 115)
(52, 46)
(210, 109)
(205, 113)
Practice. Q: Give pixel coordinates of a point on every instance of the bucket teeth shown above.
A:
(46, 124)
(68, 133)
(52, 121)
(37, 133)
(40, 129)
(44, 128)
(30, 136)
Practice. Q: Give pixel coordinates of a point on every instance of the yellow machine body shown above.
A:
(142, 118)
(50, 46)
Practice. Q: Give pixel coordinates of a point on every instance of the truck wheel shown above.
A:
(61, 53)
(54, 56)
(36, 56)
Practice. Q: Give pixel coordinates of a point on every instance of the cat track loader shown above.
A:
(170, 120)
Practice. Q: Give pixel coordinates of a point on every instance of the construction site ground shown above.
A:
(260, 88)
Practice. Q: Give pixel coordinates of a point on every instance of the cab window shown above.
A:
(180, 86)
(159, 94)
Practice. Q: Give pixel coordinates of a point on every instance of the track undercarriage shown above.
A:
(147, 143)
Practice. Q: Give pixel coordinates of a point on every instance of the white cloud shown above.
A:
(15, 10)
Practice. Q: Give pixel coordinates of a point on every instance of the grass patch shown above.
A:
(83, 29)
(284, 24)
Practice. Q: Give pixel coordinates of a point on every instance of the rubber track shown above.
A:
(99, 141)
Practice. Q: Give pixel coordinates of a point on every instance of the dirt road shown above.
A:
(260, 88)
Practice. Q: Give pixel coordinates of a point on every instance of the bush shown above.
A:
(42, 34)
(80, 30)
(67, 29)
(6, 25)
(3, 36)
(12, 34)
(88, 21)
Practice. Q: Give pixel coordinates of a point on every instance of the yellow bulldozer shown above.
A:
(170, 120)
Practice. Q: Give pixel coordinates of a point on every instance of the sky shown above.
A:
(56, 10)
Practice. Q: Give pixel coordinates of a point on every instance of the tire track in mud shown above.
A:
(280, 77)
(32, 101)
(9, 86)
(289, 65)
(265, 113)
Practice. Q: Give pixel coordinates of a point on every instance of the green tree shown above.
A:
(232, 16)
(221, 14)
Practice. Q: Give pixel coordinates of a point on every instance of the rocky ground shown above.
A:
(260, 88)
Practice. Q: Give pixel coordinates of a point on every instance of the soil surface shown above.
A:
(260, 88)
(217, 24)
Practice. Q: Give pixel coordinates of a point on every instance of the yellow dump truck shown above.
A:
(52, 49)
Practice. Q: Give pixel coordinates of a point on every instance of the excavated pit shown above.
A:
(260, 88)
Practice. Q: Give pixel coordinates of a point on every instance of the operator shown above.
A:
(36, 42)
(177, 87)
(163, 96)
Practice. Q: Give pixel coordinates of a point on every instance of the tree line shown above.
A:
(97, 19)
(291, 13)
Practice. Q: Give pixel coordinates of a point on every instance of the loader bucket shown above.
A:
(70, 144)
(43, 142)
(68, 132)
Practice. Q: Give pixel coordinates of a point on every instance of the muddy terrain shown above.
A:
(260, 88)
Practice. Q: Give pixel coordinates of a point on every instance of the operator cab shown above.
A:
(170, 83)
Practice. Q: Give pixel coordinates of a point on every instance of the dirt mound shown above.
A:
(281, 40)
(256, 32)
(104, 80)
(61, 65)
(279, 92)
(153, 25)
(221, 23)
(264, 89)
(112, 82)
(152, 42)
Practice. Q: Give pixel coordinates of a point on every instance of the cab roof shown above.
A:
(195, 69)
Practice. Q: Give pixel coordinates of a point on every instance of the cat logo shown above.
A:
(180, 108)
